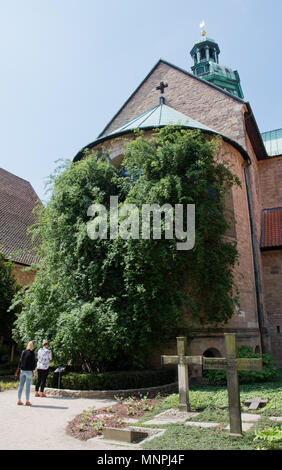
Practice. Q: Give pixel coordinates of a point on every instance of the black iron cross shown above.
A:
(162, 86)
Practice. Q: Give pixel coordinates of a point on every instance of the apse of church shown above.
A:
(210, 98)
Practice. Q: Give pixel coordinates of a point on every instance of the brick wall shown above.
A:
(272, 276)
(23, 277)
(270, 179)
(192, 97)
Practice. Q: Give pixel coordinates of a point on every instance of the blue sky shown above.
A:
(67, 66)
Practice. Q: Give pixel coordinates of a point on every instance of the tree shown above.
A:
(8, 288)
(104, 304)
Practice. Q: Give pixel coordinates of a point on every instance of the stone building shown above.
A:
(210, 98)
(17, 201)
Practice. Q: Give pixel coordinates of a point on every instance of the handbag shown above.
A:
(18, 371)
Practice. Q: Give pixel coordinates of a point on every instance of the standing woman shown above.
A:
(44, 358)
(27, 372)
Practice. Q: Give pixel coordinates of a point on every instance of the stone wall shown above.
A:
(188, 95)
(272, 277)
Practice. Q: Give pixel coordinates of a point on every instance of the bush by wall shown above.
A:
(268, 373)
(112, 380)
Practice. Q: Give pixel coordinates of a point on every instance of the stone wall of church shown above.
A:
(188, 95)
(266, 192)
(270, 178)
(272, 277)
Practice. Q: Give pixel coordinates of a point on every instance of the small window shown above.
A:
(200, 71)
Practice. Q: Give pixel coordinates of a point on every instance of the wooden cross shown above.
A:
(182, 361)
(161, 87)
(231, 365)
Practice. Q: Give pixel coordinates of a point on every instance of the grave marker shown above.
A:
(182, 361)
(255, 403)
(231, 365)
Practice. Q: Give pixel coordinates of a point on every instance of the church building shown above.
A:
(209, 97)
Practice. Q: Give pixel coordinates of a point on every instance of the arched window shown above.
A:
(212, 352)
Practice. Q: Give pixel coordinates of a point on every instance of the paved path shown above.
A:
(42, 426)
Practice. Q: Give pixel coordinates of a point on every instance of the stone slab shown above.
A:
(172, 416)
(124, 435)
(278, 419)
(245, 426)
(250, 418)
(255, 403)
(152, 434)
(200, 424)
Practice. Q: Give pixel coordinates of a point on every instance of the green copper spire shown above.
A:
(206, 66)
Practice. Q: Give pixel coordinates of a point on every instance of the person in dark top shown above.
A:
(27, 372)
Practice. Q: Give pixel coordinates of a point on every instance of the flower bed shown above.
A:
(90, 423)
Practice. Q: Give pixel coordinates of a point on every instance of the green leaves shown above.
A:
(105, 304)
(8, 288)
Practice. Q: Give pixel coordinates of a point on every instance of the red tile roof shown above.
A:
(271, 236)
(17, 201)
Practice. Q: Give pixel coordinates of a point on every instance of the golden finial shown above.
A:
(203, 32)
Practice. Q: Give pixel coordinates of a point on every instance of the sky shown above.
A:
(67, 66)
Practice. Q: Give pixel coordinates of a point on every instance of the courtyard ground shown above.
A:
(43, 425)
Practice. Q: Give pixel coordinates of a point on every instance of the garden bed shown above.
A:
(91, 422)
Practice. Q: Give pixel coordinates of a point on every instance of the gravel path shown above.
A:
(42, 426)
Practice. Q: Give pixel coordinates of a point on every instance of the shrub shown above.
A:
(271, 436)
(268, 373)
(112, 380)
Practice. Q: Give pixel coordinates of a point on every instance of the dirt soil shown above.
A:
(90, 423)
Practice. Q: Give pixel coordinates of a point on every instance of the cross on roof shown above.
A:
(162, 86)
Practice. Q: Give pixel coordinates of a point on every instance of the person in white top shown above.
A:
(43, 363)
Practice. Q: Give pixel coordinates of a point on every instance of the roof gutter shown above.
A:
(256, 268)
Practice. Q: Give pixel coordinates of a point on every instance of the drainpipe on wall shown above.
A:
(256, 269)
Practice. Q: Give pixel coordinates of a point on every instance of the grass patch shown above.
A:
(8, 384)
(211, 402)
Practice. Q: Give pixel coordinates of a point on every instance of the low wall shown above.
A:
(107, 393)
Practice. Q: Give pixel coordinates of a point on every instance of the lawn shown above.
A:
(211, 403)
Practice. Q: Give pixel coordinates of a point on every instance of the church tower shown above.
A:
(206, 65)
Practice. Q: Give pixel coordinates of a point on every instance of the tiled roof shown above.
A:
(271, 235)
(17, 201)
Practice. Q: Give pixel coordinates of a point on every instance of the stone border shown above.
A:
(106, 393)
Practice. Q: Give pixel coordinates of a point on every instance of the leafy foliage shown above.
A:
(104, 304)
(8, 288)
(113, 380)
(268, 373)
(271, 436)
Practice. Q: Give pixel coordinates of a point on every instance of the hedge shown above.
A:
(268, 373)
(112, 380)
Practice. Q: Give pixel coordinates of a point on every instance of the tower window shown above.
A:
(203, 54)
(212, 54)
(200, 70)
